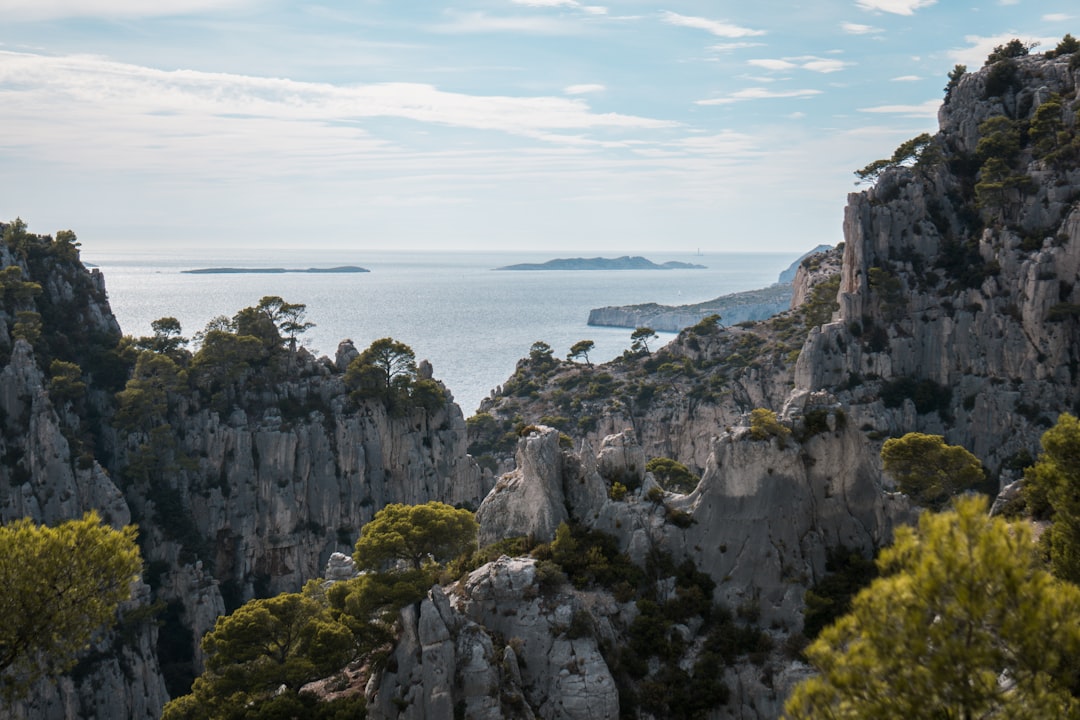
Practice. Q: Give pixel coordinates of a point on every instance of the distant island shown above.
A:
(275, 271)
(620, 263)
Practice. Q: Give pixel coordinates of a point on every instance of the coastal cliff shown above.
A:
(240, 488)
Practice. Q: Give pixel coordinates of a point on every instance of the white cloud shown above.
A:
(583, 89)
(772, 64)
(1008, 2)
(590, 9)
(758, 93)
(906, 78)
(1056, 17)
(133, 105)
(806, 62)
(856, 29)
(897, 7)
(822, 65)
(927, 109)
(716, 27)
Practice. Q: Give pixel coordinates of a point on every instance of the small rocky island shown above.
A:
(274, 271)
(625, 262)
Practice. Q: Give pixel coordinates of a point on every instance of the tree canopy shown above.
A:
(415, 534)
(266, 649)
(1052, 490)
(964, 623)
(58, 587)
(920, 152)
(639, 339)
(581, 349)
(386, 371)
(928, 470)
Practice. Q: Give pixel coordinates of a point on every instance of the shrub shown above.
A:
(673, 475)
(764, 425)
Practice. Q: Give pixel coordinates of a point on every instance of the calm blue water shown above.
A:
(471, 322)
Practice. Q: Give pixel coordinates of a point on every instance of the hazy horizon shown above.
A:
(488, 124)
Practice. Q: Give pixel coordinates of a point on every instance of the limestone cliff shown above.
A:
(953, 311)
(240, 491)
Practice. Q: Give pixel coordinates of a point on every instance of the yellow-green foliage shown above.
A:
(58, 587)
(65, 381)
(415, 534)
(764, 425)
(1051, 491)
(673, 475)
(928, 470)
(267, 649)
(963, 602)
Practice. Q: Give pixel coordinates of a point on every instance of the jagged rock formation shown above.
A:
(239, 494)
(500, 646)
(976, 300)
(954, 312)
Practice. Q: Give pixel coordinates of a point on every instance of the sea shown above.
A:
(471, 321)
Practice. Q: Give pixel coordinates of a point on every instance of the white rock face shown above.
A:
(446, 656)
(528, 501)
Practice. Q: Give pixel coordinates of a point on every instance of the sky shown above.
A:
(539, 125)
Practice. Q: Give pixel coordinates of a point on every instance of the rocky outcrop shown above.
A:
(528, 501)
(975, 302)
(247, 490)
(497, 645)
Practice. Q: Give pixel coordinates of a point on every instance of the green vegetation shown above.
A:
(1068, 46)
(672, 475)
(930, 471)
(955, 74)
(581, 349)
(649, 669)
(920, 153)
(1052, 491)
(265, 649)
(764, 425)
(707, 325)
(639, 339)
(65, 383)
(59, 586)
(386, 371)
(415, 534)
(961, 604)
(822, 303)
(259, 657)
